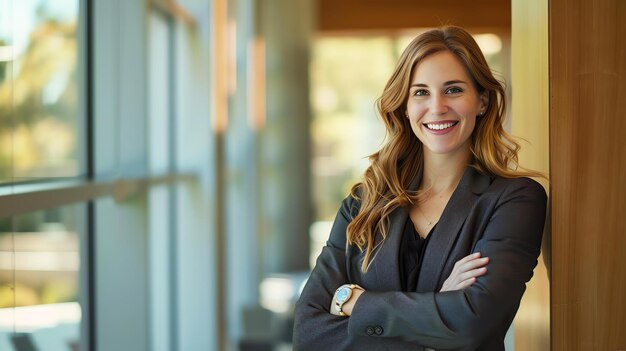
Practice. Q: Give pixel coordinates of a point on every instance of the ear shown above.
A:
(484, 101)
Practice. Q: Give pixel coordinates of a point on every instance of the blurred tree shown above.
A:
(41, 91)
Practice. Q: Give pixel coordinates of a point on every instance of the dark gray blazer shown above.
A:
(503, 219)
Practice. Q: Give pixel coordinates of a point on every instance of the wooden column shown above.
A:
(588, 173)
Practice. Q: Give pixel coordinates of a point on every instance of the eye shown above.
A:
(420, 92)
(454, 90)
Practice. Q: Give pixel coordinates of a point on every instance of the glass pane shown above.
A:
(347, 76)
(40, 275)
(39, 90)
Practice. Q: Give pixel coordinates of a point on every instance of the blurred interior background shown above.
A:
(170, 169)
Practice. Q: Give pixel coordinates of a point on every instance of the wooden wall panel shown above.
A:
(530, 121)
(588, 173)
(341, 15)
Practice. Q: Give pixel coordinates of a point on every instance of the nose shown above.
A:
(438, 104)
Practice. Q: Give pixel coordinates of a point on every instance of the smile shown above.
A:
(440, 126)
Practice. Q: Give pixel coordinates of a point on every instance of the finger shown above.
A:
(468, 258)
(465, 284)
(472, 274)
(475, 263)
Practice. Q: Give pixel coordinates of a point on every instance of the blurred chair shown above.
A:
(260, 332)
(23, 342)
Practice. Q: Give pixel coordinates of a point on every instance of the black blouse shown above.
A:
(412, 248)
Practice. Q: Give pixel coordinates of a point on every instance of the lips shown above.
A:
(440, 126)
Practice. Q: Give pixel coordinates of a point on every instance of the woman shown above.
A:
(434, 247)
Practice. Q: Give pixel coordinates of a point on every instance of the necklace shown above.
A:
(438, 197)
(429, 195)
(430, 223)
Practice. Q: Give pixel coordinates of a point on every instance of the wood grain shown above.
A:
(587, 167)
(341, 15)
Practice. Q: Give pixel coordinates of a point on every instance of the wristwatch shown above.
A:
(342, 295)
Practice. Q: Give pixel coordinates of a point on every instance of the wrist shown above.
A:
(344, 299)
(349, 305)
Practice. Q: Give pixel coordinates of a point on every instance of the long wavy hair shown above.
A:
(385, 184)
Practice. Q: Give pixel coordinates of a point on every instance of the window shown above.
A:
(40, 128)
(43, 261)
(40, 277)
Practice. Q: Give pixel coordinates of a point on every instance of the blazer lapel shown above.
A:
(384, 270)
(456, 211)
(386, 264)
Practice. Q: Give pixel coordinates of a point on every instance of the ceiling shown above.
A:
(377, 15)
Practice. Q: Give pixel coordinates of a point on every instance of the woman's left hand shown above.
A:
(465, 272)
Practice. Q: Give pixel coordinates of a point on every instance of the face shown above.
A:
(443, 104)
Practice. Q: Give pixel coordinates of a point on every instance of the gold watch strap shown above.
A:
(338, 306)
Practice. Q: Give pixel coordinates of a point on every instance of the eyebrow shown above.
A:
(450, 82)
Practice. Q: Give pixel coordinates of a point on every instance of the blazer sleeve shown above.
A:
(314, 327)
(465, 319)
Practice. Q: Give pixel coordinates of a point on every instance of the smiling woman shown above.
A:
(433, 248)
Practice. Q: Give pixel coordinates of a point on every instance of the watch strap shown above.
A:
(339, 306)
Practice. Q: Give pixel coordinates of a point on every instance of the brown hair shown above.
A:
(385, 184)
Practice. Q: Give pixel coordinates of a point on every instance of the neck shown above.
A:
(443, 172)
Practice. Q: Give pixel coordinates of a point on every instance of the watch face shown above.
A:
(343, 294)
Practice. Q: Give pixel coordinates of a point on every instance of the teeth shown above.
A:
(440, 126)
